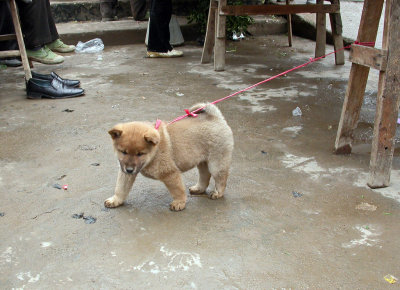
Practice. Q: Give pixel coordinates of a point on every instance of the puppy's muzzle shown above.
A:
(131, 170)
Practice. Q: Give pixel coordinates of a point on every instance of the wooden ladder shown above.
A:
(20, 40)
(387, 61)
(216, 26)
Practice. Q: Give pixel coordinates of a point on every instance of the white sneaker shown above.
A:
(171, 53)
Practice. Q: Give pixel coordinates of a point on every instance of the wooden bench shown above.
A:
(216, 26)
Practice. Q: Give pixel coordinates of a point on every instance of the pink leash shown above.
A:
(193, 114)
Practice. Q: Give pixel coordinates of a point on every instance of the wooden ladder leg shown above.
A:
(358, 79)
(210, 33)
(337, 30)
(320, 43)
(220, 35)
(387, 106)
(290, 30)
(20, 40)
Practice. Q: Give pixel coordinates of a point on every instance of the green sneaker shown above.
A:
(44, 55)
(60, 46)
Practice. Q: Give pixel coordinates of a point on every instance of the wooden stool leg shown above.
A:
(337, 30)
(219, 50)
(20, 40)
(358, 79)
(290, 30)
(210, 33)
(387, 106)
(320, 43)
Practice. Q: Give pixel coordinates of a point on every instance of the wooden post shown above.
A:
(387, 102)
(220, 35)
(337, 30)
(320, 42)
(20, 40)
(289, 22)
(367, 32)
(209, 40)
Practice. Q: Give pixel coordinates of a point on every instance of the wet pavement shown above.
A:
(350, 11)
(294, 215)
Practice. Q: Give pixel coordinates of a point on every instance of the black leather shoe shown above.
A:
(37, 89)
(53, 75)
(11, 62)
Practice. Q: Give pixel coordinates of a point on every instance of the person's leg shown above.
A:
(37, 23)
(6, 27)
(39, 27)
(40, 32)
(160, 16)
(139, 9)
(50, 20)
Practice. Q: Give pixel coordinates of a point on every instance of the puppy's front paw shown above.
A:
(215, 195)
(195, 189)
(177, 205)
(112, 202)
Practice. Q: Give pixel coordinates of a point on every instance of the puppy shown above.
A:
(205, 141)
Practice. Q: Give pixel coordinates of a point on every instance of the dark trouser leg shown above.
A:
(6, 27)
(139, 8)
(160, 15)
(37, 23)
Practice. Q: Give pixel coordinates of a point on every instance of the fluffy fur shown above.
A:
(205, 141)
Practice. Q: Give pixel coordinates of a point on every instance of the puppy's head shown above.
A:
(135, 144)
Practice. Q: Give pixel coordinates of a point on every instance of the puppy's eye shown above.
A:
(140, 154)
(124, 152)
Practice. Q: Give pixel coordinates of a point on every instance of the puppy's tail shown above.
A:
(209, 109)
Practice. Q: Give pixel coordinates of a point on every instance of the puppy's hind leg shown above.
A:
(220, 175)
(204, 179)
(124, 185)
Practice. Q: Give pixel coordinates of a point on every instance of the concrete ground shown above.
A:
(350, 11)
(294, 215)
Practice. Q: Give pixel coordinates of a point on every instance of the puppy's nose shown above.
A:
(129, 170)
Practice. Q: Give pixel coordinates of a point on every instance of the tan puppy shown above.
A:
(205, 141)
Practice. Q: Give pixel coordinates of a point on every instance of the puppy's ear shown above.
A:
(115, 133)
(152, 136)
